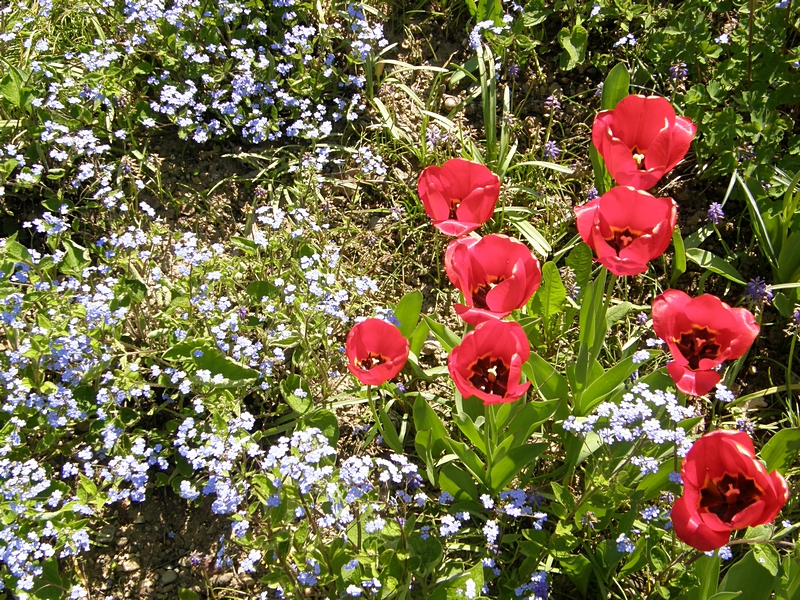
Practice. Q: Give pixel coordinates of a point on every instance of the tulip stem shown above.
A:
(375, 416)
(488, 439)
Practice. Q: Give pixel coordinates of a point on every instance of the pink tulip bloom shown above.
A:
(497, 275)
(641, 139)
(376, 351)
(459, 196)
(627, 228)
(701, 333)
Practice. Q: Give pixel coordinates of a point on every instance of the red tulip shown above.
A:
(488, 362)
(376, 351)
(701, 333)
(627, 228)
(725, 488)
(459, 196)
(641, 139)
(497, 274)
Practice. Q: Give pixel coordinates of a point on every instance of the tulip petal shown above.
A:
(694, 383)
(691, 530)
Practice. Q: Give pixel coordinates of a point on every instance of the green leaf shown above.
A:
(563, 496)
(531, 234)
(601, 387)
(446, 337)
(428, 550)
(551, 297)
(247, 246)
(574, 45)
(407, 312)
(216, 362)
(458, 483)
(789, 260)
(76, 259)
(469, 459)
(749, 577)
(578, 568)
(679, 263)
(706, 569)
(262, 289)
(781, 451)
(616, 313)
(532, 415)
(184, 350)
(516, 459)
(299, 403)
(551, 384)
(767, 556)
(467, 427)
(187, 594)
(325, 421)
(580, 261)
(712, 262)
(53, 588)
(389, 433)
(615, 87)
(418, 338)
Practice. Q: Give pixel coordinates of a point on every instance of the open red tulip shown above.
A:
(627, 228)
(459, 196)
(641, 139)
(497, 274)
(488, 362)
(376, 351)
(701, 334)
(725, 488)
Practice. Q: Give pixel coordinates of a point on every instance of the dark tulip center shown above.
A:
(372, 360)
(454, 204)
(479, 293)
(728, 496)
(622, 238)
(698, 344)
(490, 375)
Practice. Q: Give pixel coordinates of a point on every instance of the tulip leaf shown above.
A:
(516, 459)
(601, 387)
(580, 261)
(388, 431)
(706, 569)
(299, 402)
(679, 263)
(789, 259)
(425, 419)
(407, 312)
(749, 577)
(551, 384)
(615, 87)
(712, 262)
(781, 451)
(448, 339)
(417, 339)
(470, 459)
(532, 235)
(457, 482)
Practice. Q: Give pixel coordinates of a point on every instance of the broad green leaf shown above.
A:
(789, 260)
(580, 261)
(418, 338)
(603, 385)
(532, 415)
(563, 496)
(467, 427)
(616, 313)
(76, 258)
(712, 262)
(781, 451)
(297, 394)
(578, 568)
(615, 87)
(448, 339)
(767, 556)
(679, 262)
(389, 433)
(551, 297)
(458, 483)
(262, 289)
(547, 380)
(532, 235)
(185, 350)
(749, 577)
(248, 246)
(407, 312)
(425, 419)
(187, 594)
(469, 459)
(219, 364)
(706, 569)
(516, 459)
(325, 421)
(574, 45)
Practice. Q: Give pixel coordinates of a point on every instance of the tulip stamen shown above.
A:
(372, 360)
(479, 293)
(490, 375)
(698, 344)
(622, 238)
(638, 157)
(729, 495)
(454, 204)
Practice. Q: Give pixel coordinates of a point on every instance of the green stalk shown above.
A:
(489, 435)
